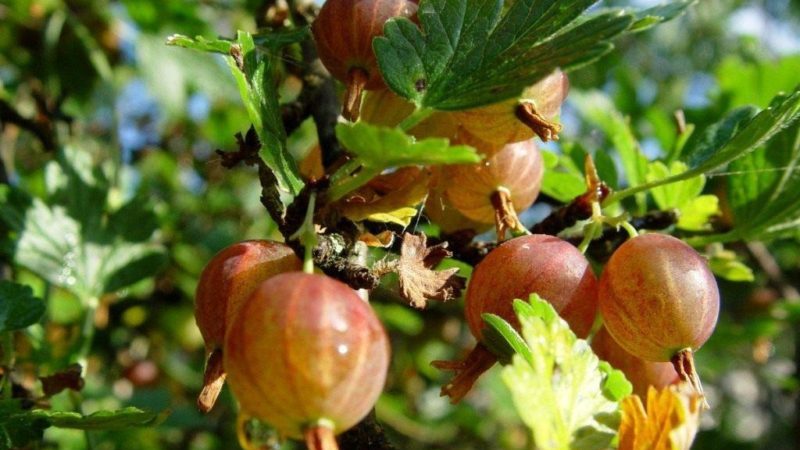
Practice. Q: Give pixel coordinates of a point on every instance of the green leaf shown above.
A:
(18, 307)
(260, 98)
(562, 180)
(222, 46)
(649, 17)
(101, 420)
(469, 53)
(503, 340)
(740, 133)
(560, 388)
(377, 148)
(730, 269)
(762, 191)
(695, 209)
(756, 82)
(76, 242)
(17, 427)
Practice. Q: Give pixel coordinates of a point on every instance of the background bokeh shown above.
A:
(151, 117)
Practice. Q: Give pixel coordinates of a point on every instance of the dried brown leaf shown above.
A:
(69, 378)
(418, 281)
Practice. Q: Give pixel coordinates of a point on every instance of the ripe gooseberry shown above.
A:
(494, 190)
(546, 265)
(384, 107)
(660, 301)
(226, 282)
(343, 32)
(308, 356)
(642, 374)
(520, 119)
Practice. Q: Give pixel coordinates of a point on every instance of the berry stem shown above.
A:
(213, 380)
(683, 361)
(320, 437)
(505, 216)
(356, 81)
(546, 130)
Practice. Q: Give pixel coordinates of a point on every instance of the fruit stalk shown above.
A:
(356, 81)
(320, 437)
(684, 365)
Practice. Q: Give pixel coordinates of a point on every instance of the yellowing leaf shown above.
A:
(669, 423)
(397, 205)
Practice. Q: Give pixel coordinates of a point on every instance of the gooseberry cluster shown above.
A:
(307, 354)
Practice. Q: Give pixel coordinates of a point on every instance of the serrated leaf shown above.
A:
(560, 389)
(740, 133)
(101, 420)
(260, 98)
(18, 307)
(470, 53)
(377, 148)
(695, 210)
(76, 243)
(762, 191)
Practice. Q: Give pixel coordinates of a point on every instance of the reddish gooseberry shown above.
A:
(227, 280)
(344, 31)
(660, 301)
(541, 264)
(520, 119)
(308, 356)
(494, 190)
(642, 374)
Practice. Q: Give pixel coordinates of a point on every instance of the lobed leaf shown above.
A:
(377, 148)
(470, 53)
(563, 393)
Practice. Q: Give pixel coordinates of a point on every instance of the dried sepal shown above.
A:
(669, 422)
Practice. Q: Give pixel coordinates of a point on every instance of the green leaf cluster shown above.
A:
(562, 391)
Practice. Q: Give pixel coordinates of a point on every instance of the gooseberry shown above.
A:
(520, 119)
(308, 356)
(227, 280)
(642, 374)
(546, 265)
(494, 190)
(344, 31)
(660, 301)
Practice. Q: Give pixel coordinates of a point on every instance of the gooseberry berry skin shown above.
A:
(344, 30)
(546, 265)
(642, 374)
(658, 297)
(306, 350)
(499, 124)
(517, 168)
(231, 277)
